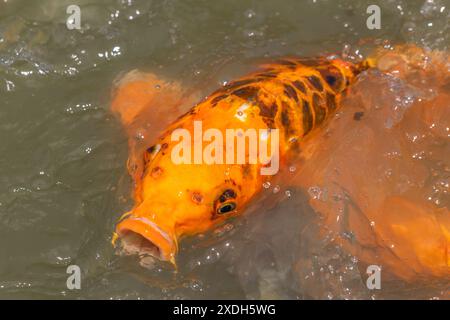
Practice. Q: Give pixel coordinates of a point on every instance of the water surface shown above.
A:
(62, 165)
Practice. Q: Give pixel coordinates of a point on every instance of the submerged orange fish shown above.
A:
(173, 200)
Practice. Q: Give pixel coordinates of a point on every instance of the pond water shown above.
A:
(62, 166)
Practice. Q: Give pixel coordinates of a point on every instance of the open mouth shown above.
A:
(133, 243)
(140, 236)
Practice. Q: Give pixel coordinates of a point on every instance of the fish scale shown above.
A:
(304, 92)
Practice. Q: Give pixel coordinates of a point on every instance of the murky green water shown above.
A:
(62, 165)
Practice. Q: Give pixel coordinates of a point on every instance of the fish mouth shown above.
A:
(140, 236)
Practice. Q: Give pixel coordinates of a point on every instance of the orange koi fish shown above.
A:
(173, 200)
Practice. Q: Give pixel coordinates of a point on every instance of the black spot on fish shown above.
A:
(319, 108)
(353, 69)
(156, 172)
(331, 80)
(227, 194)
(267, 75)
(331, 101)
(184, 114)
(332, 76)
(299, 85)
(290, 92)
(358, 115)
(246, 93)
(151, 149)
(287, 62)
(217, 99)
(307, 117)
(286, 121)
(315, 82)
(239, 83)
(268, 113)
(197, 197)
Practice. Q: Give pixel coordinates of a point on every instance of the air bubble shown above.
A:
(250, 13)
(276, 189)
(315, 192)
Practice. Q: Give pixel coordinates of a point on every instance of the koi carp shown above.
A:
(172, 200)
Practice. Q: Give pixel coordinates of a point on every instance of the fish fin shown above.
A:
(145, 104)
(137, 96)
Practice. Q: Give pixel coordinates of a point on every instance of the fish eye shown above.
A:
(226, 207)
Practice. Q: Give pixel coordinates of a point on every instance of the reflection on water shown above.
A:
(62, 167)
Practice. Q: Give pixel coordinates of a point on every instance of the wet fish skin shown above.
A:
(294, 95)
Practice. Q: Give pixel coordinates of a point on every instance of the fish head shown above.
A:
(184, 198)
(176, 200)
